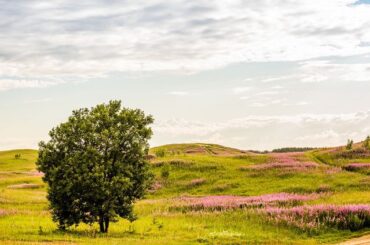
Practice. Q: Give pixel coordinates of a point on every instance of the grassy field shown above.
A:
(196, 170)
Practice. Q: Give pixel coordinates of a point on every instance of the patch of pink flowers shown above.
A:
(155, 187)
(357, 166)
(291, 165)
(353, 217)
(286, 162)
(219, 203)
(6, 212)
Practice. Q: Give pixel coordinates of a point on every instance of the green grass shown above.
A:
(221, 169)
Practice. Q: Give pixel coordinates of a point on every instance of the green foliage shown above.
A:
(293, 149)
(355, 223)
(366, 144)
(94, 164)
(349, 145)
(24, 210)
(17, 156)
(160, 153)
(165, 171)
(196, 148)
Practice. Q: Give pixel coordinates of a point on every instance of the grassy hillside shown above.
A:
(354, 159)
(196, 148)
(201, 195)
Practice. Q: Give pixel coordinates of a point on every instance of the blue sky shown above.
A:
(363, 2)
(248, 74)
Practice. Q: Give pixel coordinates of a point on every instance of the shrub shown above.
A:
(160, 153)
(366, 144)
(165, 172)
(349, 145)
(17, 156)
(357, 167)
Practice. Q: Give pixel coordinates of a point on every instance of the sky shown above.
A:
(252, 74)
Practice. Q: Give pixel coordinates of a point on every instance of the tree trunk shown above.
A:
(106, 221)
(62, 227)
(101, 224)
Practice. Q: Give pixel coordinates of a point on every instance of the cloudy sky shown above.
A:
(253, 74)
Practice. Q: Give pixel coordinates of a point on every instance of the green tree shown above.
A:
(95, 166)
(349, 145)
(367, 142)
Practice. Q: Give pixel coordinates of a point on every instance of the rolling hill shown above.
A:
(206, 194)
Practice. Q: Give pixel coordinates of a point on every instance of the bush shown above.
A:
(349, 145)
(165, 172)
(17, 156)
(160, 153)
(367, 143)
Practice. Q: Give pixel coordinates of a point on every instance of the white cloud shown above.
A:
(93, 38)
(8, 84)
(301, 103)
(313, 78)
(33, 101)
(324, 70)
(245, 97)
(178, 93)
(267, 103)
(240, 90)
(267, 93)
(325, 135)
(277, 87)
(18, 143)
(267, 132)
(275, 79)
(313, 71)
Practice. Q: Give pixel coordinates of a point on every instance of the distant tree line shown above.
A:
(284, 150)
(293, 149)
(349, 147)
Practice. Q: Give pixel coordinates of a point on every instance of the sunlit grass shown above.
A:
(26, 217)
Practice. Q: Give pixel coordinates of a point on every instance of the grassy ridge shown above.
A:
(186, 170)
(196, 148)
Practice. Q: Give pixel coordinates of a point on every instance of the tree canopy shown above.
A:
(94, 165)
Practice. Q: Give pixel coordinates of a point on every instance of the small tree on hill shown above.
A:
(95, 165)
(349, 145)
(367, 142)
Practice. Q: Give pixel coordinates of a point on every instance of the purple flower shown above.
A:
(351, 217)
(232, 202)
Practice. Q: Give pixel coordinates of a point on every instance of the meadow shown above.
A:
(210, 194)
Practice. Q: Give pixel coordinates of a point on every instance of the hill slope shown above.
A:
(193, 198)
(197, 148)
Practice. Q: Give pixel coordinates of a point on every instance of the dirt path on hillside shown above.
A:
(364, 240)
